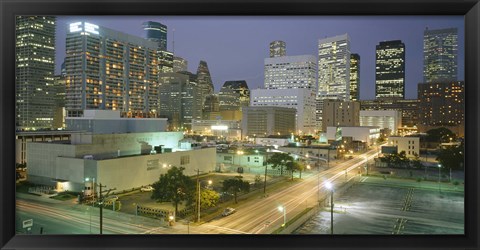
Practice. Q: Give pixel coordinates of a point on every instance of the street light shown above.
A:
(284, 210)
(439, 167)
(329, 186)
(199, 192)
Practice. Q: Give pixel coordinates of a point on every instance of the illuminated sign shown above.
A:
(219, 127)
(86, 27)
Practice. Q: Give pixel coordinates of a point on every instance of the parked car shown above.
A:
(228, 211)
(146, 189)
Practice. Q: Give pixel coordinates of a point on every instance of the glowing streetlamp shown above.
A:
(329, 186)
(284, 210)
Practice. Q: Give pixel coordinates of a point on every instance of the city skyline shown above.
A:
(236, 47)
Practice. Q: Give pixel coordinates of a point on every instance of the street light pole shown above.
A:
(265, 182)
(198, 188)
(329, 186)
(284, 210)
(439, 167)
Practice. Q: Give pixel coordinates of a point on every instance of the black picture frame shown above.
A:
(10, 8)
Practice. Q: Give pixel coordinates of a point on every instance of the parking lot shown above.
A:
(393, 206)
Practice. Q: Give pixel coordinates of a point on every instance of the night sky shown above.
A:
(235, 47)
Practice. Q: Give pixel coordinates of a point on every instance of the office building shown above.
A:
(156, 32)
(204, 80)
(354, 77)
(340, 113)
(303, 100)
(165, 61)
(408, 108)
(390, 119)
(179, 100)
(234, 95)
(110, 70)
(440, 48)
(410, 145)
(278, 49)
(179, 64)
(59, 112)
(226, 129)
(333, 72)
(265, 121)
(390, 70)
(365, 134)
(442, 103)
(291, 72)
(34, 72)
(211, 107)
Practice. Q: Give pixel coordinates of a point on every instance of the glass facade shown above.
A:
(354, 77)
(440, 55)
(35, 65)
(390, 70)
(278, 48)
(156, 32)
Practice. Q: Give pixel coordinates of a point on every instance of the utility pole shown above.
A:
(100, 203)
(265, 182)
(198, 189)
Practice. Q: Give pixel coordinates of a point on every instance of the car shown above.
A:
(146, 189)
(228, 211)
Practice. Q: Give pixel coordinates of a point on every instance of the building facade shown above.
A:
(179, 64)
(226, 129)
(410, 145)
(110, 70)
(440, 48)
(34, 72)
(156, 32)
(366, 134)
(290, 72)
(390, 119)
(234, 95)
(354, 77)
(390, 70)
(340, 113)
(303, 100)
(278, 49)
(265, 121)
(409, 108)
(442, 103)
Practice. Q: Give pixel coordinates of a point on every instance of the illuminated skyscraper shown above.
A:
(234, 95)
(35, 65)
(442, 103)
(156, 32)
(278, 49)
(333, 71)
(354, 77)
(179, 64)
(390, 70)
(110, 70)
(440, 55)
(204, 80)
(291, 72)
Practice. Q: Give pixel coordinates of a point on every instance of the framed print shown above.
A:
(239, 125)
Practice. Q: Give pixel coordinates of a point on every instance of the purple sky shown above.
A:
(235, 47)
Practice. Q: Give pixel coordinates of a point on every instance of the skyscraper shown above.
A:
(440, 55)
(110, 70)
(291, 72)
(234, 95)
(333, 72)
(442, 103)
(278, 49)
(354, 77)
(204, 80)
(390, 70)
(35, 65)
(179, 64)
(156, 32)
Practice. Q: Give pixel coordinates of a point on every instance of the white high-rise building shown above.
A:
(303, 100)
(291, 72)
(333, 71)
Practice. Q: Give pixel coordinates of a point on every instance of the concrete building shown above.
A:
(366, 134)
(269, 141)
(354, 77)
(267, 121)
(34, 72)
(411, 145)
(240, 160)
(290, 72)
(440, 49)
(390, 119)
(110, 70)
(390, 70)
(278, 49)
(408, 108)
(340, 113)
(118, 161)
(227, 129)
(109, 121)
(303, 100)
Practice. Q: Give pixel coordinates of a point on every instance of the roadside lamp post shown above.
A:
(439, 168)
(266, 165)
(93, 192)
(284, 210)
(199, 194)
(329, 186)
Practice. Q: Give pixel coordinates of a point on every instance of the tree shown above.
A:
(208, 198)
(175, 187)
(451, 157)
(294, 166)
(236, 185)
(440, 135)
(279, 160)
